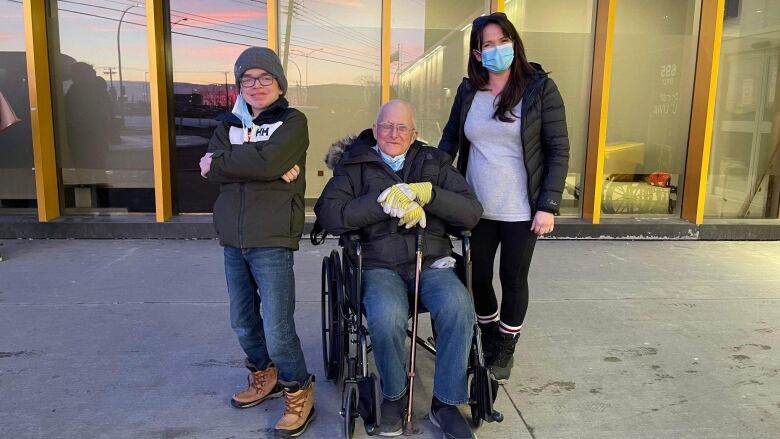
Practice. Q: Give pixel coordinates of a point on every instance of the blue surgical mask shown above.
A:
(499, 58)
(395, 163)
(241, 110)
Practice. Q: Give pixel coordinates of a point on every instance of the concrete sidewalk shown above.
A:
(130, 339)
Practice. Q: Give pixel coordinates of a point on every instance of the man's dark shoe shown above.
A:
(391, 421)
(451, 422)
(489, 333)
(501, 362)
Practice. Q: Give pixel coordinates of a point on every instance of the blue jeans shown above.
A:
(264, 277)
(386, 298)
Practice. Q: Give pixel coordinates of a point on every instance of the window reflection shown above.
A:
(430, 43)
(651, 90)
(207, 36)
(17, 177)
(331, 55)
(744, 174)
(101, 106)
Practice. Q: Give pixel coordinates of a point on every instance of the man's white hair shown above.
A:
(394, 103)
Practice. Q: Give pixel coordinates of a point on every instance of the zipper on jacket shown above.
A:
(523, 124)
(241, 216)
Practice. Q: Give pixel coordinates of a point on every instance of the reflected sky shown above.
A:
(11, 26)
(337, 41)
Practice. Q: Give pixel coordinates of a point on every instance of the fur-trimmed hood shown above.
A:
(340, 146)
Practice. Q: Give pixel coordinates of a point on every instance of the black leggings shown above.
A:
(517, 247)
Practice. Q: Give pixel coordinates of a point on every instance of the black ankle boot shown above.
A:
(489, 335)
(501, 362)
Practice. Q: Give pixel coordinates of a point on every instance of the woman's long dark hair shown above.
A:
(521, 70)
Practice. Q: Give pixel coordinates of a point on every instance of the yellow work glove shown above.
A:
(395, 199)
(414, 215)
(423, 192)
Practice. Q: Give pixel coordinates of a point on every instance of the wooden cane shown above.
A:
(409, 427)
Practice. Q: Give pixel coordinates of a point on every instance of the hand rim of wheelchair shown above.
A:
(332, 323)
(325, 318)
(341, 334)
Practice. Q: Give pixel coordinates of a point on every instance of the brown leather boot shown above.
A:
(298, 410)
(262, 385)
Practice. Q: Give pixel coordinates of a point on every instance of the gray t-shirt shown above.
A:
(496, 169)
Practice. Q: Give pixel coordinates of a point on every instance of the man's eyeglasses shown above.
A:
(387, 127)
(481, 21)
(250, 81)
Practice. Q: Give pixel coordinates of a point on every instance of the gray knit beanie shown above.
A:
(260, 58)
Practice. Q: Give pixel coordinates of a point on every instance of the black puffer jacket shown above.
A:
(544, 135)
(349, 203)
(255, 207)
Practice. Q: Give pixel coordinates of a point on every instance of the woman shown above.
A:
(508, 128)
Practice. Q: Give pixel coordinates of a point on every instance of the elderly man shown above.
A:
(385, 183)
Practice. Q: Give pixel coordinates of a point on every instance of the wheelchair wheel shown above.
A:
(476, 416)
(340, 338)
(350, 411)
(327, 319)
(332, 324)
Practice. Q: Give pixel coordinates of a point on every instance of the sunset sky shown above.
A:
(340, 37)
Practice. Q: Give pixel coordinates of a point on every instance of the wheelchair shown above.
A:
(345, 341)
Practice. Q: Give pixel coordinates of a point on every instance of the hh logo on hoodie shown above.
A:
(257, 133)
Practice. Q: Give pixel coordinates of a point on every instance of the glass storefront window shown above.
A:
(207, 36)
(558, 34)
(17, 177)
(102, 117)
(331, 54)
(744, 173)
(430, 44)
(653, 65)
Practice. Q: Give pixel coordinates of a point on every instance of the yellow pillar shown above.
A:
(497, 5)
(599, 110)
(385, 53)
(158, 45)
(705, 87)
(41, 115)
(272, 23)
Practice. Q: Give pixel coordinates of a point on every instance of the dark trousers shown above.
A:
(517, 247)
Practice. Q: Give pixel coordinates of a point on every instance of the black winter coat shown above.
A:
(544, 135)
(349, 203)
(255, 207)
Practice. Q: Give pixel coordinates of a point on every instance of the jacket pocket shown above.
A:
(267, 216)
(226, 209)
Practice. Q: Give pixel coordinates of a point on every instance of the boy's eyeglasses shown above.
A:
(250, 81)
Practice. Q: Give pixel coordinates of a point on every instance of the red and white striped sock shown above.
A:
(506, 329)
(484, 320)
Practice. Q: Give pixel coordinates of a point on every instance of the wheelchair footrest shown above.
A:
(370, 396)
(483, 394)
